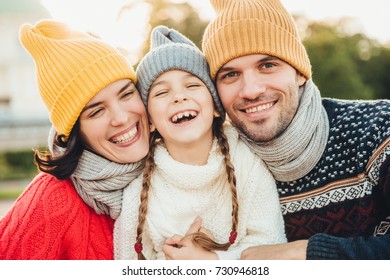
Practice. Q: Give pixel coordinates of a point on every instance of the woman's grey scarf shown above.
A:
(295, 153)
(98, 181)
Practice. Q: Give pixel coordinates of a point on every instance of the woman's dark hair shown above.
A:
(62, 166)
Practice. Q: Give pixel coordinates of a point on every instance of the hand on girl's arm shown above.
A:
(295, 250)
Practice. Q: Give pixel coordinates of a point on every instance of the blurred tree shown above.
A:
(334, 63)
(174, 14)
(375, 72)
(347, 66)
(344, 66)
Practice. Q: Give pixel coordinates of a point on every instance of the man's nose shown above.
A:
(252, 86)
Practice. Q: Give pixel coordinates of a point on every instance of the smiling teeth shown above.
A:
(127, 137)
(181, 115)
(259, 108)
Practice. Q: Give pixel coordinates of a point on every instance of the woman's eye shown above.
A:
(128, 93)
(95, 113)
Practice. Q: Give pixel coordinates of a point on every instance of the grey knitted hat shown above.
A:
(170, 50)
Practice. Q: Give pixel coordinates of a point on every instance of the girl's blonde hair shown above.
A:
(198, 238)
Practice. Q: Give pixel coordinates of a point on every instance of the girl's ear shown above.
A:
(216, 114)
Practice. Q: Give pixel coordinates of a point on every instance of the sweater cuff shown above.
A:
(322, 247)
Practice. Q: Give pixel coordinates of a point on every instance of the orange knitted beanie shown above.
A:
(244, 27)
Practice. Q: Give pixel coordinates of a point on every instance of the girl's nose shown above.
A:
(179, 96)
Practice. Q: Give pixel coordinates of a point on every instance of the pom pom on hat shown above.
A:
(71, 68)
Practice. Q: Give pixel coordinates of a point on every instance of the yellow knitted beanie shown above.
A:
(244, 27)
(71, 68)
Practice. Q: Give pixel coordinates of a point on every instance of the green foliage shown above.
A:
(10, 192)
(347, 66)
(375, 72)
(17, 165)
(180, 16)
(177, 15)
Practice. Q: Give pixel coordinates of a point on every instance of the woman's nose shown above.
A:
(119, 117)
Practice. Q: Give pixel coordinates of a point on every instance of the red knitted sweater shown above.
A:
(50, 221)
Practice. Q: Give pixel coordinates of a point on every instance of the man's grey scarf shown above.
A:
(295, 153)
(98, 181)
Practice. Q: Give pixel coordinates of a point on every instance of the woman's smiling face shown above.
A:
(114, 123)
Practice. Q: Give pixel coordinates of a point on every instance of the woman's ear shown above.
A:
(152, 128)
(216, 114)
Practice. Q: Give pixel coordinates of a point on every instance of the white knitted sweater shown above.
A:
(181, 192)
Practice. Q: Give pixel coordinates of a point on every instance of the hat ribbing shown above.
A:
(244, 27)
(71, 68)
(170, 50)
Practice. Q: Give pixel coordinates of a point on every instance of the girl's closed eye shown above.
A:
(159, 93)
(193, 85)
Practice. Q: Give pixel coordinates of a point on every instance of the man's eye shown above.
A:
(229, 75)
(267, 65)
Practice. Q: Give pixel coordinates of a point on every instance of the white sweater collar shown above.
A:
(189, 176)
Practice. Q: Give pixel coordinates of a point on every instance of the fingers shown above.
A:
(175, 240)
(169, 251)
(171, 246)
(195, 226)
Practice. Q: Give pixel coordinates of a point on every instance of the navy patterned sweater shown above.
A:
(343, 204)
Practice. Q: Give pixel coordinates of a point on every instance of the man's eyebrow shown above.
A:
(264, 59)
(268, 57)
(225, 69)
(98, 103)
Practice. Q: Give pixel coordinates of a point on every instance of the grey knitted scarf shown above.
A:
(295, 153)
(98, 181)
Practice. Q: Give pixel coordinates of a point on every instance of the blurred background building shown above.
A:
(23, 117)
